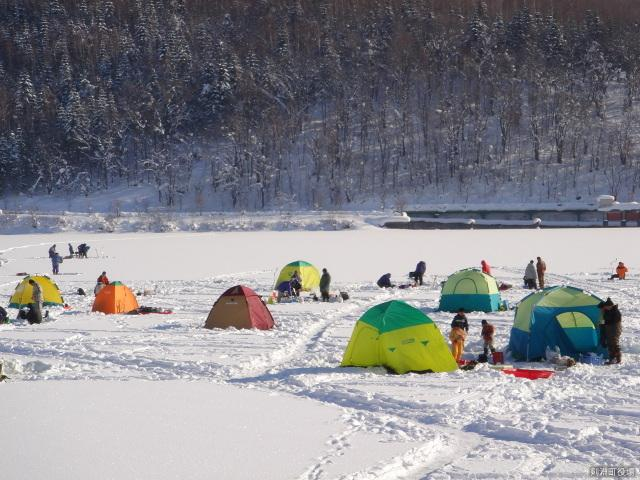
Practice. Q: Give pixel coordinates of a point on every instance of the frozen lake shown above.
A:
(160, 397)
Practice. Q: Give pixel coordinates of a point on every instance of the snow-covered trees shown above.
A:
(323, 102)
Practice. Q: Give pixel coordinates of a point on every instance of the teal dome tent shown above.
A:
(563, 317)
(472, 290)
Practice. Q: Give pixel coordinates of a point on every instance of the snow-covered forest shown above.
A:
(256, 104)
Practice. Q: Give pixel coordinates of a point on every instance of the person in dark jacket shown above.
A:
(385, 281)
(56, 260)
(325, 283)
(71, 252)
(37, 299)
(83, 250)
(613, 328)
(296, 283)
(52, 250)
(458, 334)
(421, 268)
(460, 321)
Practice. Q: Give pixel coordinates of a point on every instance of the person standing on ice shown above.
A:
(486, 268)
(71, 252)
(621, 272)
(487, 337)
(458, 334)
(101, 282)
(52, 250)
(541, 268)
(613, 328)
(56, 260)
(421, 269)
(530, 276)
(35, 315)
(325, 284)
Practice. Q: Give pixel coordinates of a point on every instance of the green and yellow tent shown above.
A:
(50, 292)
(472, 290)
(308, 273)
(399, 337)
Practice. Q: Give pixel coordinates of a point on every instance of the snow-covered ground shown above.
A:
(159, 397)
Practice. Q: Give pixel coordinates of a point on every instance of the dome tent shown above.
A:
(309, 274)
(51, 295)
(115, 298)
(472, 290)
(564, 317)
(239, 307)
(399, 337)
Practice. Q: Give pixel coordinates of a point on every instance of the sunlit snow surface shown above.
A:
(159, 397)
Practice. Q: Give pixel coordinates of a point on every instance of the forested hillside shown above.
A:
(260, 103)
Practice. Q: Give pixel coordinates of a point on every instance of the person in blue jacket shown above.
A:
(385, 281)
(56, 260)
(421, 268)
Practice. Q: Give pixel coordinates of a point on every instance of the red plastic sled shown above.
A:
(528, 373)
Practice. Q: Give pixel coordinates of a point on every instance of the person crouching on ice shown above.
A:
(458, 334)
(296, 283)
(621, 272)
(385, 281)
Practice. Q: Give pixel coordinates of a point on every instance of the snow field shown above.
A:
(284, 386)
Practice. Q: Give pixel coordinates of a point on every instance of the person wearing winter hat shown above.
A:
(613, 329)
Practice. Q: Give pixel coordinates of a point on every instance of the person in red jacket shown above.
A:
(103, 279)
(487, 337)
(486, 268)
(102, 282)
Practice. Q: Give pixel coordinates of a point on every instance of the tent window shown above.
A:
(574, 320)
(465, 286)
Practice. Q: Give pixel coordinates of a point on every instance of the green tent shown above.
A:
(472, 290)
(399, 337)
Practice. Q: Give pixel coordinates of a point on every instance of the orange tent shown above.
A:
(115, 298)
